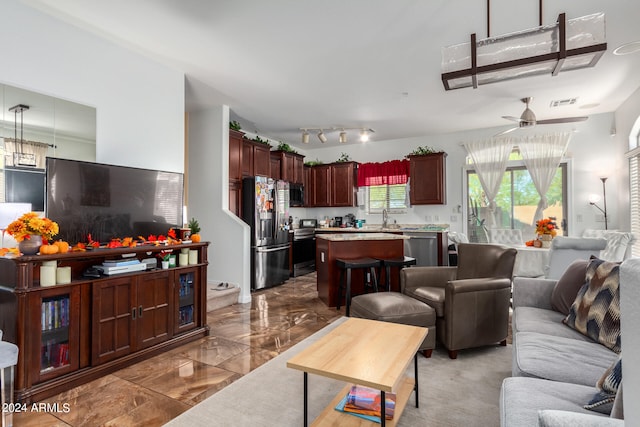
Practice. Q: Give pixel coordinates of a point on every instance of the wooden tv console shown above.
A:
(70, 334)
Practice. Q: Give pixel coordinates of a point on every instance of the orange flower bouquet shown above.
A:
(31, 224)
(547, 226)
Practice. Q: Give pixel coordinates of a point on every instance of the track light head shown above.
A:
(322, 137)
(305, 137)
(343, 137)
(364, 135)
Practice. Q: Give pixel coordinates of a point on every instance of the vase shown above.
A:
(545, 239)
(30, 246)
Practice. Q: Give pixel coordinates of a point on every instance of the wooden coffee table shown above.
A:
(364, 352)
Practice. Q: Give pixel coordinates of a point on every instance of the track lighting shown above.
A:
(364, 133)
(322, 137)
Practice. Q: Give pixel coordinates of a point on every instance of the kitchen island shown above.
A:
(330, 247)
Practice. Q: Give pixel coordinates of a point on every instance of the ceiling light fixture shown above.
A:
(343, 137)
(562, 46)
(322, 137)
(364, 133)
(627, 48)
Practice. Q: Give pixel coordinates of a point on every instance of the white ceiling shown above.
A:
(282, 65)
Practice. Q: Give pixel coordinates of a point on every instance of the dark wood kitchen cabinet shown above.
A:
(235, 171)
(256, 158)
(307, 182)
(73, 333)
(290, 166)
(343, 183)
(321, 183)
(428, 179)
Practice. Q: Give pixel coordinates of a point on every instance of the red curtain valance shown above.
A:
(387, 173)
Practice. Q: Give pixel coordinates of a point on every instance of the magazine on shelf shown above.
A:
(364, 402)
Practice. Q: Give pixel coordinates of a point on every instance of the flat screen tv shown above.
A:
(109, 201)
(25, 185)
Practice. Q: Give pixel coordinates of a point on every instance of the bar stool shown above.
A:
(405, 261)
(8, 359)
(346, 265)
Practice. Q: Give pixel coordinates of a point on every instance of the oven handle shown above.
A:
(299, 238)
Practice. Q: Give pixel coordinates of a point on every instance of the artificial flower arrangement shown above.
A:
(547, 226)
(30, 224)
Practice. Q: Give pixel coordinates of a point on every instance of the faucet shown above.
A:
(385, 218)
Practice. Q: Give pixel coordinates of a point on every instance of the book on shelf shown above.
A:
(364, 402)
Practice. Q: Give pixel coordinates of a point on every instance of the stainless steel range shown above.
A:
(304, 248)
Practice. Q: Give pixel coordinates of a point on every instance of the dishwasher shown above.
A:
(423, 247)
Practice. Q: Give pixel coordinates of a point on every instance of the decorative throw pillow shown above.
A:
(567, 287)
(607, 387)
(596, 309)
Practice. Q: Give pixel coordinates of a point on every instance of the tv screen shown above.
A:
(109, 201)
(25, 185)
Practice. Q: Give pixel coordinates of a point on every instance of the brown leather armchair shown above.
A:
(471, 300)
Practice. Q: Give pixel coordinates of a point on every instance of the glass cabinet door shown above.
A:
(56, 341)
(186, 288)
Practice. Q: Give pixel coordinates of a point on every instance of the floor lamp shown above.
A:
(594, 198)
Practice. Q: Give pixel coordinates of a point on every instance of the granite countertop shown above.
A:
(396, 228)
(346, 237)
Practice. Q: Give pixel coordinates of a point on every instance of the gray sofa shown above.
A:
(554, 368)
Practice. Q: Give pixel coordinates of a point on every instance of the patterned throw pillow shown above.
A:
(596, 309)
(607, 387)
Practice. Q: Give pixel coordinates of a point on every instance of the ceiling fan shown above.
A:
(528, 119)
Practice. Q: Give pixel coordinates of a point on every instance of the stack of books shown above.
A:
(364, 402)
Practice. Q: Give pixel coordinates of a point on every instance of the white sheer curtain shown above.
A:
(542, 155)
(490, 159)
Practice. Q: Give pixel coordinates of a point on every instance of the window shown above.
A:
(385, 185)
(634, 198)
(516, 202)
(393, 198)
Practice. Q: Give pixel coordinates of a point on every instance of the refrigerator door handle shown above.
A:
(279, 248)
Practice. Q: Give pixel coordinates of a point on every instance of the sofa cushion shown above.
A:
(607, 387)
(596, 310)
(522, 398)
(560, 359)
(567, 287)
(554, 418)
(540, 320)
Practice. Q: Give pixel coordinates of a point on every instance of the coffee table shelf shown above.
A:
(364, 352)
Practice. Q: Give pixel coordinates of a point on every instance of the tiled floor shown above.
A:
(150, 393)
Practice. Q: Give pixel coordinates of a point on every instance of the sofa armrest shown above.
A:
(530, 292)
(417, 277)
(557, 418)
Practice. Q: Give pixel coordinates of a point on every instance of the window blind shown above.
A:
(634, 199)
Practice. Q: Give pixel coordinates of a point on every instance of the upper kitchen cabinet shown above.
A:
(332, 185)
(276, 163)
(291, 166)
(343, 183)
(256, 158)
(235, 154)
(321, 186)
(428, 179)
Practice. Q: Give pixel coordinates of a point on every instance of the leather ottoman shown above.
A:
(397, 308)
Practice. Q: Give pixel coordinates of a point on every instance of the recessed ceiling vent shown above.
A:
(563, 102)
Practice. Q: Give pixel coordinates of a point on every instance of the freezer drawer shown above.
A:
(270, 266)
(423, 247)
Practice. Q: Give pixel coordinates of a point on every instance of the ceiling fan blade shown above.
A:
(506, 131)
(562, 120)
(513, 119)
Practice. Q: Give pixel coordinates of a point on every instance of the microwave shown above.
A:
(296, 195)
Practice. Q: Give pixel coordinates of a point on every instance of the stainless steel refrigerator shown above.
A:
(265, 207)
